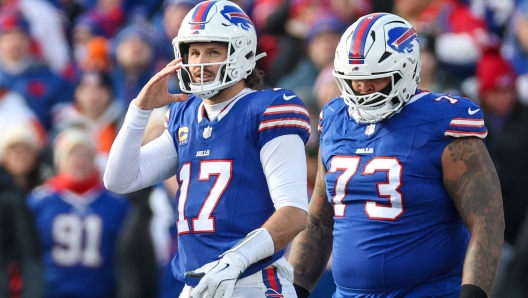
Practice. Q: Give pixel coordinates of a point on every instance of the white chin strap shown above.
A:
(365, 115)
(198, 89)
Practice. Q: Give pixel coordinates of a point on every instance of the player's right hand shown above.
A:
(155, 93)
(219, 277)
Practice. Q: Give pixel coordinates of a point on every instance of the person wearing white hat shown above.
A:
(78, 222)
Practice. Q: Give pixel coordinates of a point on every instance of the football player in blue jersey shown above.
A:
(238, 155)
(407, 198)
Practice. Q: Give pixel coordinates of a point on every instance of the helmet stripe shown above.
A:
(405, 36)
(359, 38)
(200, 14)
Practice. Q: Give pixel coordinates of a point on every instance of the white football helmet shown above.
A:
(378, 45)
(217, 21)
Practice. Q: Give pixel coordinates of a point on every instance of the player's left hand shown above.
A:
(219, 277)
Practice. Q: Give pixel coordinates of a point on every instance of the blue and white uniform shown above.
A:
(229, 160)
(78, 237)
(223, 191)
(397, 232)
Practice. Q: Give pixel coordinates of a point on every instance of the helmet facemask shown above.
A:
(201, 88)
(373, 107)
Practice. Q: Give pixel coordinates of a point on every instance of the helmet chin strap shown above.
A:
(363, 116)
(197, 89)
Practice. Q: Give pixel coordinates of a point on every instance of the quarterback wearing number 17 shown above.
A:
(406, 195)
(237, 153)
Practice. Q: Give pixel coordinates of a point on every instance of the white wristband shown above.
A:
(256, 246)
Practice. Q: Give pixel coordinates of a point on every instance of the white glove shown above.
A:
(219, 277)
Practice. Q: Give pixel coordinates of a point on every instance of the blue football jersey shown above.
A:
(395, 224)
(223, 192)
(78, 237)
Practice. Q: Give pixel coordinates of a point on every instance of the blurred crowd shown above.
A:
(70, 68)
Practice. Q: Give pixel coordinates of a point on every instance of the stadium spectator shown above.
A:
(515, 47)
(321, 41)
(460, 34)
(92, 24)
(21, 155)
(78, 222)
(507, 140)
(21, 270)
(43, 90)
(14, 111)
(95, 111)
(46, 28)
(97, 56)
(134, 50)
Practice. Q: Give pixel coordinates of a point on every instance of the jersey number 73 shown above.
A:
(388, 189)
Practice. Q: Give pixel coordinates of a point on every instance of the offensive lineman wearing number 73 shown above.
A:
(406, 193)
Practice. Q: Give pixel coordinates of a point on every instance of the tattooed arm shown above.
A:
(311, 248)
(472, 183)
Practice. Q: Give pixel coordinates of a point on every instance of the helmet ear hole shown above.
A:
(184, 52)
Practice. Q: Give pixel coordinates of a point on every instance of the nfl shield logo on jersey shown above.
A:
(208, 131)
(370, 129)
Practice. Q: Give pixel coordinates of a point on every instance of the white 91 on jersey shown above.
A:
(77, 240)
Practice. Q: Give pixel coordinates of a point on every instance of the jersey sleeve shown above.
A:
(35, 199)
(286, 114)
(469, 122)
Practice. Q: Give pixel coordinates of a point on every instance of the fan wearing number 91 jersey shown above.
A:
(395, 224)
(78, 236)
(78, 222)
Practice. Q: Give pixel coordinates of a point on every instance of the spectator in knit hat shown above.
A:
(21, 155)
(134, 50)
(46, 28)
(94, 110)
(14, 111)
(507, 140)
(42, 89)
(321, 41)
(78, 222)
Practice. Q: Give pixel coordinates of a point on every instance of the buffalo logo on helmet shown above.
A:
(401, 38)
(236, 17)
